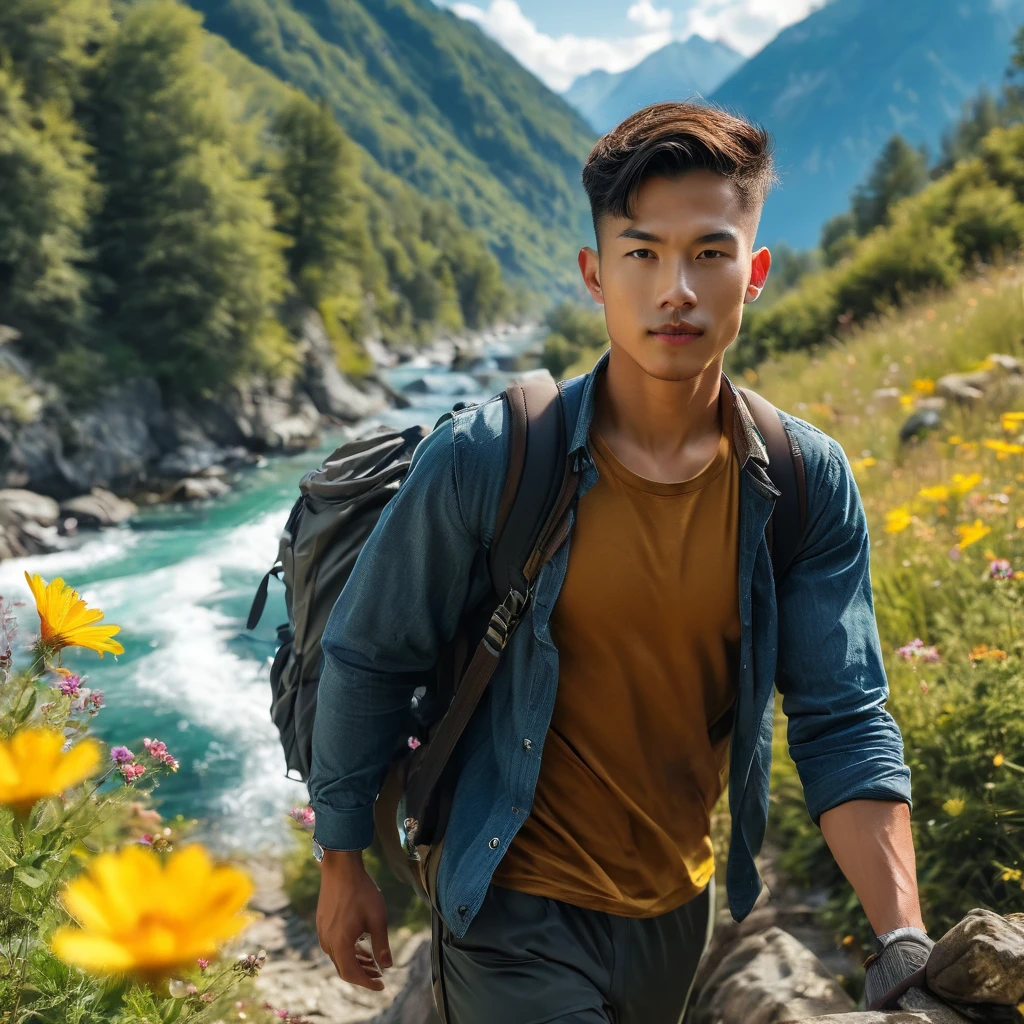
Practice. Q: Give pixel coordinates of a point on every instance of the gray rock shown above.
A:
(333, 394)
(197, 489)
(964, 387)
(768, 978)
(918, 423)
(189, 460)
(18, 507)
(98, 508)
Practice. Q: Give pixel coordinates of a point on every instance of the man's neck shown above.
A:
(662, 429)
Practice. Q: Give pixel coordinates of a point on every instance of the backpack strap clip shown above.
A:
(505, 619)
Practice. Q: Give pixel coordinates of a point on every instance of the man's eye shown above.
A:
(714, 252)
(641, 254)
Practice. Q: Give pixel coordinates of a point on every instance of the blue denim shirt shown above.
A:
(425, 561)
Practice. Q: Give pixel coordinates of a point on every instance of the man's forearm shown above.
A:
(872, 843)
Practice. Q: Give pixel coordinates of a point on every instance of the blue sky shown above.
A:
(561, 39)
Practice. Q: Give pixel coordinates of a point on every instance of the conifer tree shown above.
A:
(316, 192)
(900, 171)
(185, 238)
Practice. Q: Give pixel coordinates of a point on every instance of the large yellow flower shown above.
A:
(32, 766)
(65, 621)
(146, 917)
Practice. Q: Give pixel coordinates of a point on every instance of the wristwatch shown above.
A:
(318, 852)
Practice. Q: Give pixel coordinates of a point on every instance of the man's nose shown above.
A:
(675, 287)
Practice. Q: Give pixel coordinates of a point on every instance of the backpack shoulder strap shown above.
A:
(786, 472)
(534, 478)
(539, 486)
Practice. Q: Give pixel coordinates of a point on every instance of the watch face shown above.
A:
(318, 852)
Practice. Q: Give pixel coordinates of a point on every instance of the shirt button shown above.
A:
(528, 744)
(463, 909)
(515, 810)
(494, 843)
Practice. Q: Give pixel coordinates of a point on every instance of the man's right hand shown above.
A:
(350, 907)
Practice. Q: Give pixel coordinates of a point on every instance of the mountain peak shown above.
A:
(679, 70)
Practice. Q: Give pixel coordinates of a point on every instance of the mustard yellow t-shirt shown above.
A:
(648, 631)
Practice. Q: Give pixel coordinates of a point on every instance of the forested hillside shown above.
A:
(164, 205)
(441, 105)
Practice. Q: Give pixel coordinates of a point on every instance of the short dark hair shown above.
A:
(669, 139)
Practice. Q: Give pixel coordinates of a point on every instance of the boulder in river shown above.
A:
(98, 508)
(198, 489)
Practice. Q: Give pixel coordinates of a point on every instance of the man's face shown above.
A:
(673, 279)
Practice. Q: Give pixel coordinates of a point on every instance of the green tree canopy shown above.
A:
(185, 237)
(46, 193)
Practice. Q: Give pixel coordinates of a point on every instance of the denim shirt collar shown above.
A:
(747, 439)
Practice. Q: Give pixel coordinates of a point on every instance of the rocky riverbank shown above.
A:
(64, 469)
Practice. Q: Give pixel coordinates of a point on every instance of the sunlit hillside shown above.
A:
(946, 518)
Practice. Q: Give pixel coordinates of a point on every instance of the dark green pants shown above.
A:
(532, 960)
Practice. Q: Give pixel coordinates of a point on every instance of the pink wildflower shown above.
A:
(155, 748)
(96, 699)
(283, 1014)
(70, 685)
(917, 651)
(1000, 569)
(191, 989)
(413, 743)
(131, 772)
(203, 963)
(207, 997)
(121, 755)
(145, 839)
(305, 816)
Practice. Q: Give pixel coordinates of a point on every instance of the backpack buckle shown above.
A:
(505, 619)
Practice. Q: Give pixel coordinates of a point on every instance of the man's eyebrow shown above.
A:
(646, 236)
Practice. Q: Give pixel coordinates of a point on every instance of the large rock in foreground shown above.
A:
(768, 978)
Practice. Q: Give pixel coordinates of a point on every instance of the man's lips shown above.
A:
(676, 333)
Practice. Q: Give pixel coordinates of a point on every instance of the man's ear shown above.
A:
(760, 263)
(590, 268)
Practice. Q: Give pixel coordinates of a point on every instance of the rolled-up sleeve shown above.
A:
(845, 744)
(401, 603)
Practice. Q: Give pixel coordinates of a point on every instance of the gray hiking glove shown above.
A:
(899, 955)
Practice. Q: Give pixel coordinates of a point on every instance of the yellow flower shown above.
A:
(897, 520)
(1011, 875)
(145, 917)
(924, 385)
(65, 621)
(937, 493)
(998, 760)
(1004, 448)
(866, 463)
(954, 439)
(971, 534)
(32, 766)
(907, 401)
(1011, 420)
(954, 807)
(985, 653)
(963, 483)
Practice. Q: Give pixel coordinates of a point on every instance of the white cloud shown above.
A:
(745, 25)
(647, 16)
(558, 60)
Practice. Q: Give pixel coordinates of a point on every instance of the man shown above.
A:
(575, 878)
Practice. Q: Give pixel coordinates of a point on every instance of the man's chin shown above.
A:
(674, 361)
